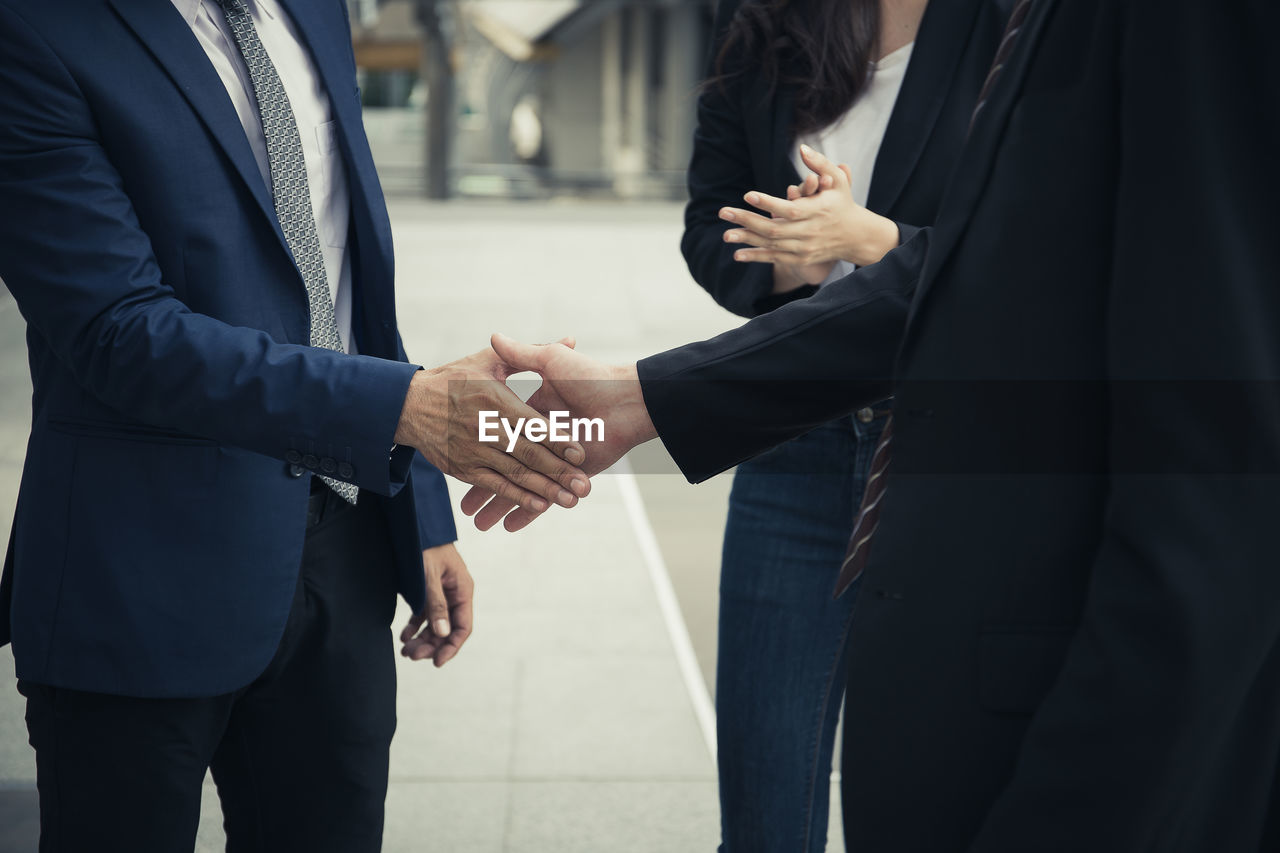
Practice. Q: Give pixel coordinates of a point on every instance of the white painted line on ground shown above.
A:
(699, 694)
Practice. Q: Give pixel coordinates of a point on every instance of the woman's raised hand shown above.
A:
(817, 224)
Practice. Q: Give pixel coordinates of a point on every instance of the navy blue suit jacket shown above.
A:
(177, 407)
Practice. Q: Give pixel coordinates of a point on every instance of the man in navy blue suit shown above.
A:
(233, 467)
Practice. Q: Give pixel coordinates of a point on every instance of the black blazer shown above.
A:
(745, 137)
(1068, 636)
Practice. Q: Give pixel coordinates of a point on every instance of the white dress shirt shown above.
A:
(856, 137)
(326, 173)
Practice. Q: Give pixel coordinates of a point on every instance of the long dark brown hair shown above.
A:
(824, 48)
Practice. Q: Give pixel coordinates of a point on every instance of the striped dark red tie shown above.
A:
(864, 527)
(1016, 20)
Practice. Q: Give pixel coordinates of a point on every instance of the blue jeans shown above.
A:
(780, 668)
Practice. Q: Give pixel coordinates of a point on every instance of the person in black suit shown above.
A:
(1068, 637)
(887, 88)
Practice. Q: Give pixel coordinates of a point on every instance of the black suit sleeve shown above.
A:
(720, 174)
(1184, 604)
(722, 401)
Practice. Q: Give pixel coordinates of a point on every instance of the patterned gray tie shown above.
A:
(289, 189)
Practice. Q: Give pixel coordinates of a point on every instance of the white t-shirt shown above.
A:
(855, 138)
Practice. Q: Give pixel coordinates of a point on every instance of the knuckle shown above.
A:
(518, 475)
(527, 452)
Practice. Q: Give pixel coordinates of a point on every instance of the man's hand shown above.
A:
(441, 419)
(439, 631)
(809, 231)
(583, 387)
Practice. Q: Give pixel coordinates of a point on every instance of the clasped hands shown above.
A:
(442, 420)
(816, 225)
(516, 479)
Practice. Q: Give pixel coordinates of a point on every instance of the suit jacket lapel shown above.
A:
(976, 161)
(328, 40)
(783, 138)
(168, 38)
(769, 116)
(323, 36)
(944, 36)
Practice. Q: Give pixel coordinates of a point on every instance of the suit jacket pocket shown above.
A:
(124, 431)
(1018, 664)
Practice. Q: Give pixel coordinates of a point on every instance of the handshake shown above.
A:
(465, 420)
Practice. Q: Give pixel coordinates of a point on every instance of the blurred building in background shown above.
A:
(531, 98)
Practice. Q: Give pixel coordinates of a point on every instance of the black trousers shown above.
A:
(300, 756)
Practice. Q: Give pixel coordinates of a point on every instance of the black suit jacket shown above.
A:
(746, 134)
(1067, 636)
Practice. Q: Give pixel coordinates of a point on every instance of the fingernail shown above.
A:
(442, 627)
(574, 455)
(579, 487)
(538, 505)
(806, 149)
(566, 498)
(752, 198)
(731, 236)
(727, 214)
(739, 256)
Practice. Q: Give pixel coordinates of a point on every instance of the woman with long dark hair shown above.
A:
(886, 89)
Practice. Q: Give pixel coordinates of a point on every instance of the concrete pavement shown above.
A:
(576, 718)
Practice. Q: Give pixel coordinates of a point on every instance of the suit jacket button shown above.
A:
(328, 466)
(345, 471)
(311, 461)
(295, 471)
(293, 457)
(866, 414)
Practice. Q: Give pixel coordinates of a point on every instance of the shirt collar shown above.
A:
(189, 9)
